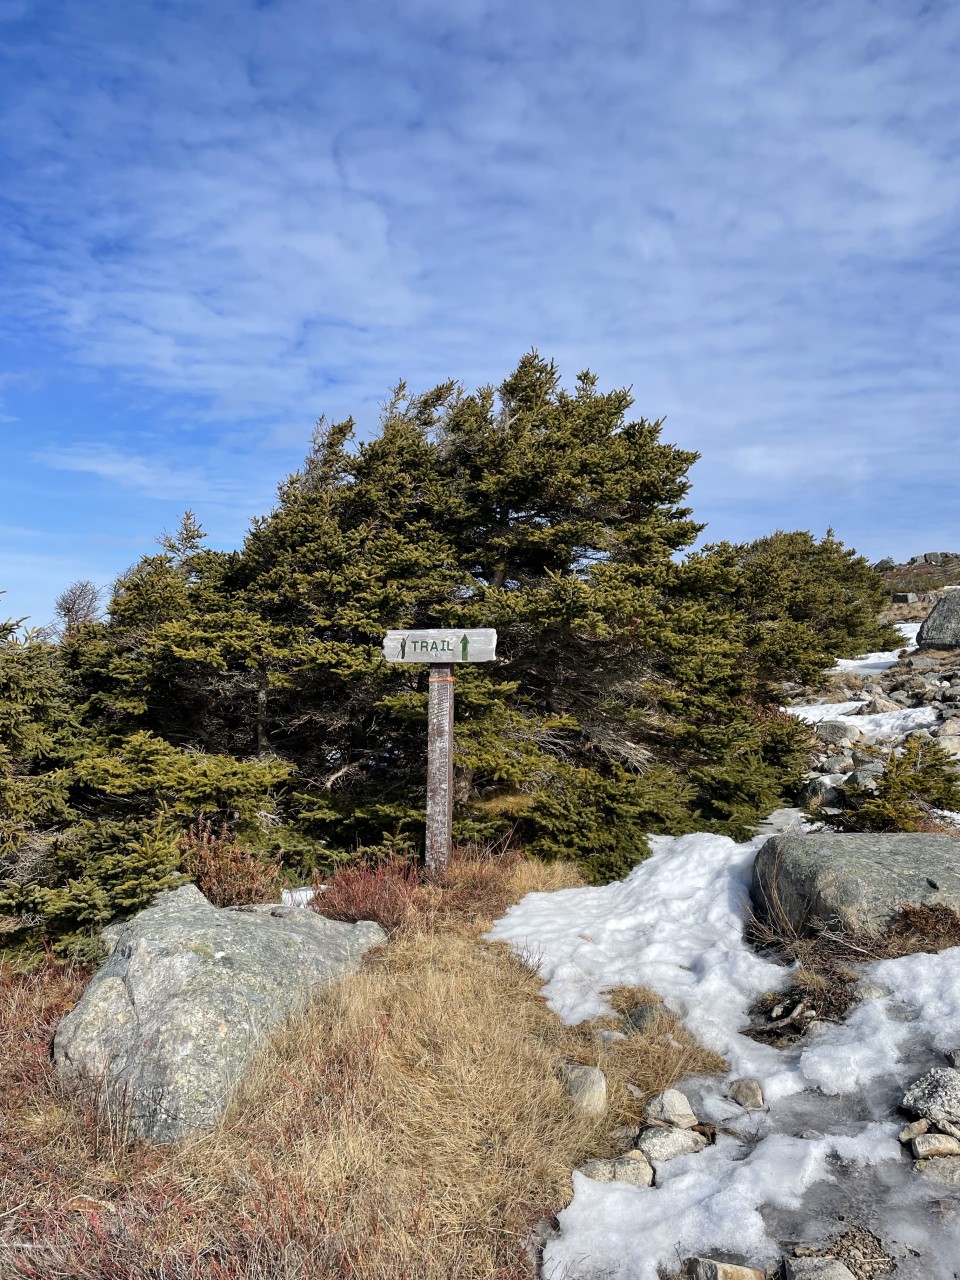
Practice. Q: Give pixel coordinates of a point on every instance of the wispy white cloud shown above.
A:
(149, 476)
(750, 213)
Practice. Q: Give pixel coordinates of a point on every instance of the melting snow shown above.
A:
(874, 663)
(674, 925)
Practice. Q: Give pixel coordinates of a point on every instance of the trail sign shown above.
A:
(442, 648)
(442, 644)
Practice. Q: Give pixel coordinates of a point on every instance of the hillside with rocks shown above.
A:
(820, 965)
(692, 953)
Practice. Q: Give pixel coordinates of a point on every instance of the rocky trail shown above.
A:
(836, 1154)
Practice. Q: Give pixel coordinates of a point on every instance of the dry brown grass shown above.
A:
(411, 1124)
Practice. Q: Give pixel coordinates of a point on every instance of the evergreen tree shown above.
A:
(805, 602)
(635, 691)
(620, 704)
(37, 744)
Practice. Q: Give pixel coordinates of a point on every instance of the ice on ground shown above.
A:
(876, 728)
(297, 897)
(814, 712)
(875, 663)
(675, 926)
(709, 1201)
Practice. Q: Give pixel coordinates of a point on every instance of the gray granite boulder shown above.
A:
(941, 628)
(169, 1024)
(853, 882)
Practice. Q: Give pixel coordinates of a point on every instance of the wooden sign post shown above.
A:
(442, 648)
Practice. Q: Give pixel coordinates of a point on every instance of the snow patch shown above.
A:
(675, 926)
(882, 726)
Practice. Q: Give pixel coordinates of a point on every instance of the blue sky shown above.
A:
(221, 219)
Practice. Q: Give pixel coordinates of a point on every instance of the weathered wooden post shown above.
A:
(439, 765)
(442, 648)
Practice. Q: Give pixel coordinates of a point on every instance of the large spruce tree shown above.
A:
(635, 690)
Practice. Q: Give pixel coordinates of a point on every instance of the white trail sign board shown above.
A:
(441, 644)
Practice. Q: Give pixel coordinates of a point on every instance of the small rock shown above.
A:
(817, 1269)
(659, 1145)
(708, 1269)
(822, 790)
(953, 1130)
(638, 1018)
(869, 991)
(634, 1168)
(671, 1106)
(836, 764)
(748, 1093)
(913, 1130)
(624, 1135)
(865, 779)
(876, 706)
(935, 1095)
(586, 1087)
(934, 1144)
(943, 1169)
(950, 729)
(835, 732)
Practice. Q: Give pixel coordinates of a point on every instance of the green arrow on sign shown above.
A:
(464, 647)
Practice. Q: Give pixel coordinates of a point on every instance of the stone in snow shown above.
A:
(876, 706)
(634, 1169)
(949, 729)
(710, 1269)
(870, 991)
(587, 1088)
(942, 1169)
(857, 882)
(671, 1106)
(913, 1130)
(171, 1021)
(953, 1057)
(934, 1144)
(659, 1145)
(936, 1095)
(941, 628)
(817, 1269)
(824, 789)
(748, 1093)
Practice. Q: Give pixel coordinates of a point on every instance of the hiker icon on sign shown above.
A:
(440, 645)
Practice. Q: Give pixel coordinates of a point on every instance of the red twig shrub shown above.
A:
(383, 891)
(228, 873)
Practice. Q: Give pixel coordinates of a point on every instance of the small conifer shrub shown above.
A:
(913, 784)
